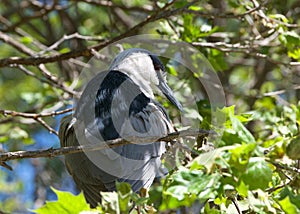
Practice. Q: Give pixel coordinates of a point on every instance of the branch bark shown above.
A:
(53, 152)
(34, 115)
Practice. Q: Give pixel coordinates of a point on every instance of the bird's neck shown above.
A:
(142, 81)
(142, 73)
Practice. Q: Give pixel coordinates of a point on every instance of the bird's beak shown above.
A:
(169, 94)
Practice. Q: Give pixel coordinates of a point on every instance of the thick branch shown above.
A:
(76, 149)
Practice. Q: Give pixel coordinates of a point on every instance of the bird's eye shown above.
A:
(157, 67)
(157, 63)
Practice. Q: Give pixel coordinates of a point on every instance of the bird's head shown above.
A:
(146, 70)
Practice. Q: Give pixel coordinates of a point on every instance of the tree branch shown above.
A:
(285, 167)
(226, 16)
(37, 117)
(240, 48)
(33, 115)
(69, 37)
(87, 52)
(51, 152)
(143, 8)
(41, 10)
(24, 49)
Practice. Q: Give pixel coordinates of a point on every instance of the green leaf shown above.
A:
(290, 39)
(224, 113)
(155, 195)
(235, 132)
(217, 59)
(288, 207)
(258, 174)
(172, 70)
(207, 159)
(244, 134)
(266, 103)
(64, 50)
(287, 192)
(294, 53)
(195, 8)
(293, 148)
(26, 40)
(192, 29)
(124, 195)
(188, 185)
(279, 17)
(240, 156)
(242, 189)
(4, 138)
(66, 203)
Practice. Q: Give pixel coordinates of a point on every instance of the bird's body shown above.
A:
(119, 103)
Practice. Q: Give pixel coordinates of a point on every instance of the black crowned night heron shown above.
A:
(119, 103)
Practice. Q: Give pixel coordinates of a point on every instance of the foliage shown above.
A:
(66, 203)
(240, 172)
(254, 47)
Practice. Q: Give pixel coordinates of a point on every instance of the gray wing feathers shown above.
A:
(148, 123)
(137, 164)
(79, 166)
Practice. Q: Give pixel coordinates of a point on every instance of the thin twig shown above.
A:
(285, 167)
(234, 201)
(54, 81)
(42, 11)
(224, 16)
(30, 73)
(24, 49)
(271, 21)
(245, 49)
(38, 44)
(49, 128)
(17, 45)
(33, 115)
(69, 37)
(275, 93)
(37, 117)
(143, 8)
(273, 189)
